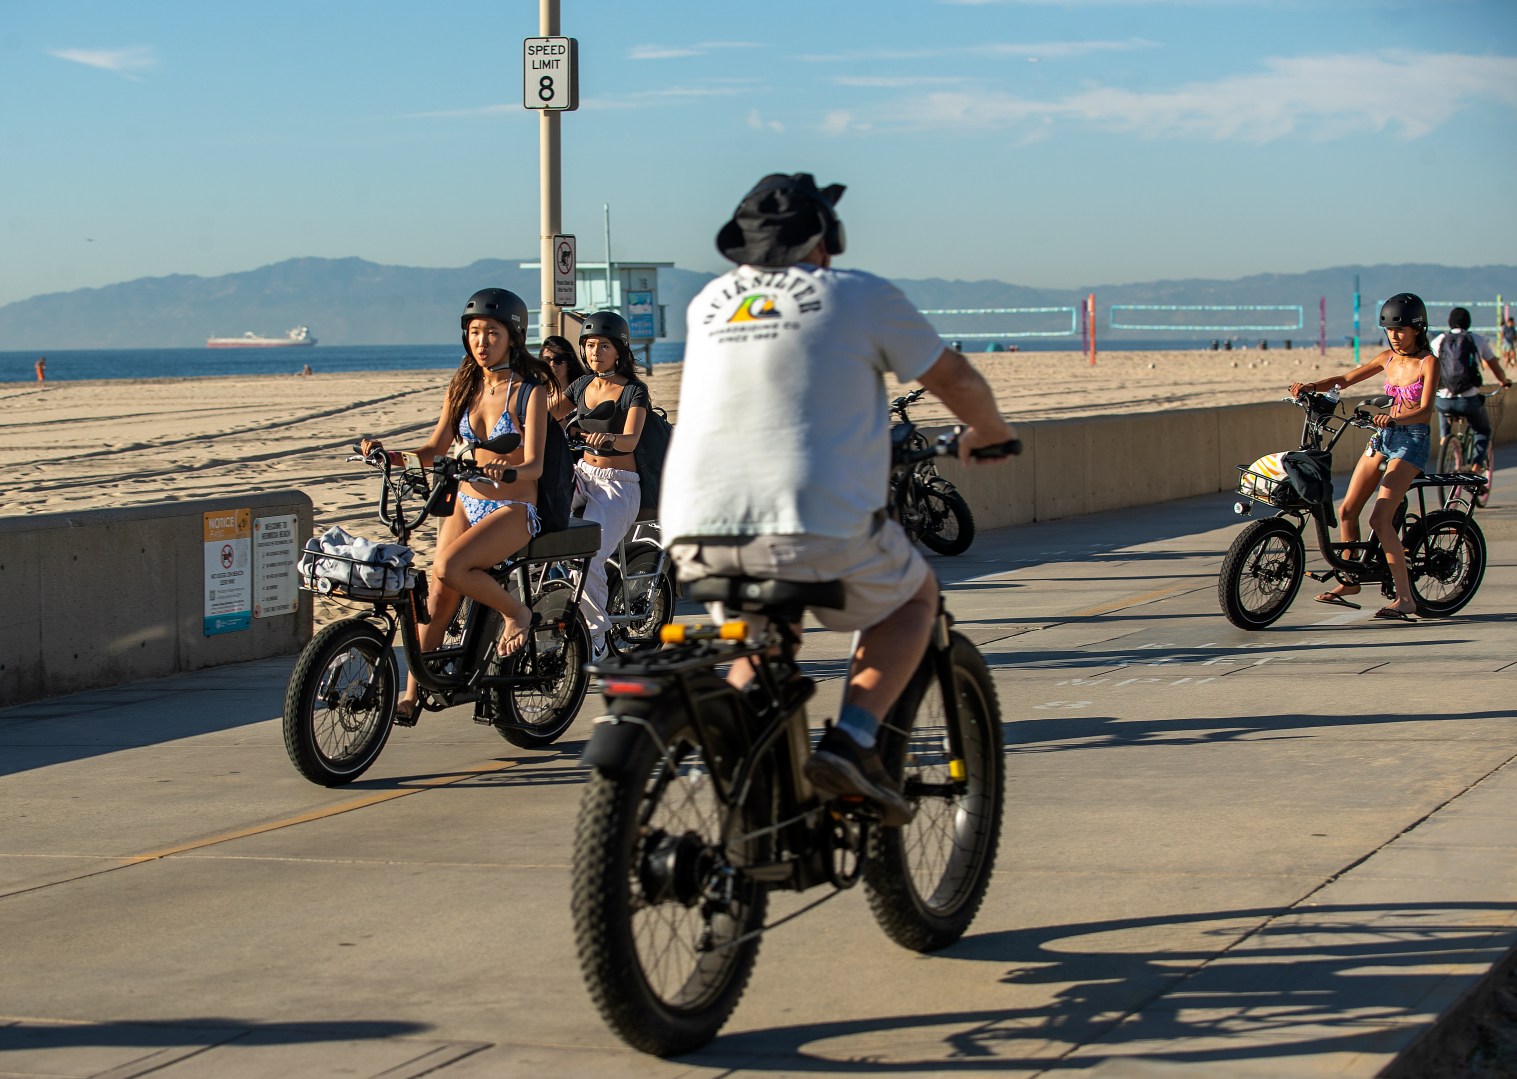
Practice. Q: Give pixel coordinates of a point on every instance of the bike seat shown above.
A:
(579, 540)
(756, 594)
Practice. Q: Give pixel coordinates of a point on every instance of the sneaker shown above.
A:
(842, 767)
(599, 650)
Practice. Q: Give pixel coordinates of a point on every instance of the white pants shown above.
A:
(611, 498)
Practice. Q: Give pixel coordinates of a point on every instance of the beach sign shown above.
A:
(275, 589)
(228, 565)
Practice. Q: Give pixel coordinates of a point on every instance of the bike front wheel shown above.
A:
(1451, 455)
(537, 715)
(1445, 556)
(643, 592)
(925, 881)
(340, 702)
(1261, 573)
(666, 927)
(947, 523)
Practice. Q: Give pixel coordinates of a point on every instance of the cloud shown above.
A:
(1046, 49)
(1322, 97)
(679, 52)
(121, 61)
(758, 123)
(840, 122)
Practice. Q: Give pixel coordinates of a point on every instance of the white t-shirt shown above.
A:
(1481, 345)
(783, 424)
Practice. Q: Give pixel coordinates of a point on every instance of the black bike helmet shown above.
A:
(1404, 309)
(607, 324)
(503, 305)
(1459, 318)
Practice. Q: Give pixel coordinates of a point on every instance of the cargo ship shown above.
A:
(298, 336)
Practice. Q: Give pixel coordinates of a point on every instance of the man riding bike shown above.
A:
(780, 462)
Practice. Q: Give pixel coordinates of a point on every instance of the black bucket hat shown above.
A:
(781, 221)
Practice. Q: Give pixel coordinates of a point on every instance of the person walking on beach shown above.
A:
(611, 404)
(1460, 353)
(780, 464)
(1509, 341)
(1400, 445)
(491, 521)
(41, 368)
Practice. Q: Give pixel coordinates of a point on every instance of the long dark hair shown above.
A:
(574, 367)
(467, 379)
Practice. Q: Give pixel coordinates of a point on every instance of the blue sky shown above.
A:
(1056, 143)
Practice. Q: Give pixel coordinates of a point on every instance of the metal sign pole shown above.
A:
(549, 184)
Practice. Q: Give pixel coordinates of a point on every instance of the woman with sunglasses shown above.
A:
(565, 364)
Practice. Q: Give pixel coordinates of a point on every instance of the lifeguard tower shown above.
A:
(628, 287)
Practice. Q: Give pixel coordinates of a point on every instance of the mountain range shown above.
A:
(351, 301)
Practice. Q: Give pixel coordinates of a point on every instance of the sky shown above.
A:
(1048, 143)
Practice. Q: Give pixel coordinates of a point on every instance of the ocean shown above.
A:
(69, 365)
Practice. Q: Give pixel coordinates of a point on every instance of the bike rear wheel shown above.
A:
(535, 716)
(1261, 573)
(947, 522)
(1446, 556)
(662, 920)
(925, 881)
(1451, 455)
(340, 702)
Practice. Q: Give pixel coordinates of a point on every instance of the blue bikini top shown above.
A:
(504, 425)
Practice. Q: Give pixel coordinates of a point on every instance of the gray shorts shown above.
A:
(880, 571)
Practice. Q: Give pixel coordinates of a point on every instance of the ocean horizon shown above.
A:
(69, 365)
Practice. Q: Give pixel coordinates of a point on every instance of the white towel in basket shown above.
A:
(381, 566)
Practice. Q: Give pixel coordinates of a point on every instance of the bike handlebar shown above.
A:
(1360, 417)
(947, 445)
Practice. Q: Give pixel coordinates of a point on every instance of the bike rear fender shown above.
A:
(615, 736)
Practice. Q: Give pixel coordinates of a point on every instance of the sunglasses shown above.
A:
(556, 359)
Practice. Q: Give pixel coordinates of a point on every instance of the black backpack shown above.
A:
(651, 449)
(555, 487)
(1458, 363)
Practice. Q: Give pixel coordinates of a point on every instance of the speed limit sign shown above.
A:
(550, 71)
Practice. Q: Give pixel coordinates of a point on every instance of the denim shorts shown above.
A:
(1411, 444)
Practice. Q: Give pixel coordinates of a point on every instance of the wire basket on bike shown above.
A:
(1280, 493)
(329, 573)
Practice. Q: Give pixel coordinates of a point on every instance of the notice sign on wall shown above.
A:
(274, 584)
(228, 571)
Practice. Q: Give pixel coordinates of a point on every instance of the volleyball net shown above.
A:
(1004, 323)
(1438, 314)
(1206, 318)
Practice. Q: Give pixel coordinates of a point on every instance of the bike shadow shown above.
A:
(1076, 733)
(1255, 984)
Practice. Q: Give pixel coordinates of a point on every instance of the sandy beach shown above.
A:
(82, 445)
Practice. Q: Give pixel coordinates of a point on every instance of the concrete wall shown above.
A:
(102, 597)
(1073, 467)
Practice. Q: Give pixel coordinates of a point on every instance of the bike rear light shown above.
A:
(629, 687)
(734, 631)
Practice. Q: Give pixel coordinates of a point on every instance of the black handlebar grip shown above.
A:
(1005, 449)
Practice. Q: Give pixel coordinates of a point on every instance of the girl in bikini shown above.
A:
(1400, 445)
(492, 521)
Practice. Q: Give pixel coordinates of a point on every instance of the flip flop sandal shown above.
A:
(1390, 614)
(1334, 599)
(521, 638)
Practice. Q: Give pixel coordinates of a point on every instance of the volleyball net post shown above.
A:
(1090, 322)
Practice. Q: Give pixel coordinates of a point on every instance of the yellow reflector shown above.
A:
(672, 633)
(957, 771)
(734, 631)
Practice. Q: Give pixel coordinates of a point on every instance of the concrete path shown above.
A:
(1281, 853)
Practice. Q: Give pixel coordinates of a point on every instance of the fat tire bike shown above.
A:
(339, 706)
(698, 806)
(1263, 569)
(928, 507)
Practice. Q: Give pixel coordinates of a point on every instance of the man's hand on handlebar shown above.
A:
(979, 438)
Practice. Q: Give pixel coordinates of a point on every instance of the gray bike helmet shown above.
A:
(503, 305)
(607, 324)
(1404, 309)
